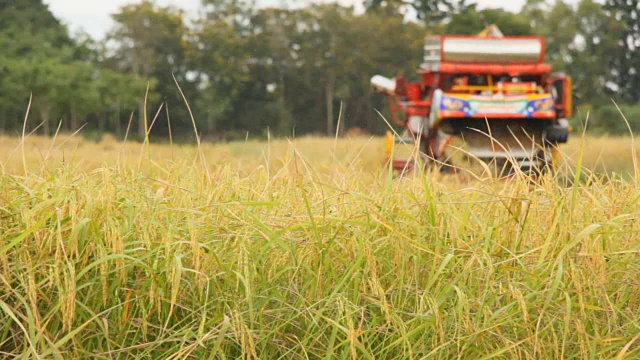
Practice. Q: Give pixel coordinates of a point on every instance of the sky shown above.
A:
(93, 16)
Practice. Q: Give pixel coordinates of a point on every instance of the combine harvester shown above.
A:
(494, 92)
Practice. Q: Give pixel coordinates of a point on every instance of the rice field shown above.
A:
(309, 249)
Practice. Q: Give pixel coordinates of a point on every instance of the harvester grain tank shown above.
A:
(493, 91)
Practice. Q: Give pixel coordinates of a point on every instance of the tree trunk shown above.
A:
(329, 95)
(371, 124)
(141, 115)
(117, 123)
(211, 124)
(342, 117)
(74, 119)
(44, 116)
(319, 104)
(3, 120)
(102, 122)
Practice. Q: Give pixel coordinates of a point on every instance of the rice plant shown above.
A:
(307, 248)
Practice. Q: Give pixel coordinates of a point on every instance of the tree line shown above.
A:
(243, 69)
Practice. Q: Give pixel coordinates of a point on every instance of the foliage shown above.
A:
(626, 42)
(471, 22)
(609, 119)
(150, 42)
(273, 70)
(40, 59)
(430, 12)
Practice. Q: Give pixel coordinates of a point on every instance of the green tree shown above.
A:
(431, 12)
(596, 47)
(116, 94)
(219, 54)
(546, 21)
(626, 54)
(150, 41)
(471, 21)
(585, 45)
(35, 47)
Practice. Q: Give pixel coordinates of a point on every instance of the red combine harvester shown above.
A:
(494, 92)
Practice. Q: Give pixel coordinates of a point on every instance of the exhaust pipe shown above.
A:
(383, 85)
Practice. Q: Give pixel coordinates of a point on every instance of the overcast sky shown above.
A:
(93, 16)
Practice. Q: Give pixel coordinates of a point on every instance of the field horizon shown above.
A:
(601, 154)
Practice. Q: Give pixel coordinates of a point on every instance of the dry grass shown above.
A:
(603, 154)
(308, 249)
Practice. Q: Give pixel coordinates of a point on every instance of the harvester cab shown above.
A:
(492, 91)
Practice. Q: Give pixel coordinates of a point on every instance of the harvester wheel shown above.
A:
(551, 157)
(447, 167)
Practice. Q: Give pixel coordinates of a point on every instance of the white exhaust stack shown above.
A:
(383, 85)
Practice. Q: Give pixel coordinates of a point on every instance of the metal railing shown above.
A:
(526, 88)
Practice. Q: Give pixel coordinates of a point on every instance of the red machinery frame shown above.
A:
(415, 98)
